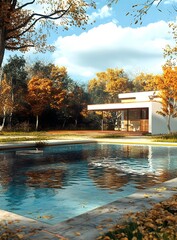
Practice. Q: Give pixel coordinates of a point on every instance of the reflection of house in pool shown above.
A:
(137, 112)
(146, 165)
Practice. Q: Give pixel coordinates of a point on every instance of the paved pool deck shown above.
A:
(92, 224)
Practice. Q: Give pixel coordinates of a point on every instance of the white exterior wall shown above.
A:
(173, 124)
(159, 123)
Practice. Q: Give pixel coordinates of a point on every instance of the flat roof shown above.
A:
(118, 106)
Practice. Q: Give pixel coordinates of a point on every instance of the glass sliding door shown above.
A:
(134, 116)
(134, 120)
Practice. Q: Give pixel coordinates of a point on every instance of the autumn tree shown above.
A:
(96, 89)
(6, 106)
(145, 82)
(39, 94)
(41, 69)
(167, 85)
(58, 93)
(76, 102)
(22, 28)
(116, 82)
(108, 85)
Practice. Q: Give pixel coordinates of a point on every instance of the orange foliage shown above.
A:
(39, 93)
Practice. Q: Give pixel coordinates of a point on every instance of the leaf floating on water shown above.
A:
(147, 195)
(20, 235)
(99, 227)
(46, 216)
(77, 233)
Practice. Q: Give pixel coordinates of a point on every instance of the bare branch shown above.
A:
(41, 16)
(24, 5)
(20, 47)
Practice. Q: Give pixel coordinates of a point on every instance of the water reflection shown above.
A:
(70, 175)
(143, 165)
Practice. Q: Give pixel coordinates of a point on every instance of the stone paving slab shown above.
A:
(20, 224)
(90, 225)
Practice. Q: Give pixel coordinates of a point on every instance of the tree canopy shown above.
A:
(22, 28)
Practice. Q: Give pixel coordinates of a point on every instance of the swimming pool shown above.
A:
(56, 183)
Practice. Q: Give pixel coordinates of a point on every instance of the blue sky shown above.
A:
(113, 41)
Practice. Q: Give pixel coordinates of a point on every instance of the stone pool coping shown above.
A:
(90, 225)
(126, 140)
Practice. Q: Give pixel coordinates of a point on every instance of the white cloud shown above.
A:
(103, 12)
(170, 1)
(112, 46)
(156, 2)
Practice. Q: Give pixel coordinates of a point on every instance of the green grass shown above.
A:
(165, 138)
(43, 136)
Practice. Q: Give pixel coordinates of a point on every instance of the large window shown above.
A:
(134, 120)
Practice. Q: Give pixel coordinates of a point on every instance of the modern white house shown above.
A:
(137, 112)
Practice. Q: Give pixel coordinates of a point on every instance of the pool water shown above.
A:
(56, 183)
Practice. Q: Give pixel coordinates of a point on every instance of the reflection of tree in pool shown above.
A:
(150, 180)
(49, 178)
(6, 168)
(111, 179)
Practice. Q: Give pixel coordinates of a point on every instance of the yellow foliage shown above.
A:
(6, 100)
(110, 82)
(145, 82)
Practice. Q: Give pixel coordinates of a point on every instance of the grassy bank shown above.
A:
(55, 135)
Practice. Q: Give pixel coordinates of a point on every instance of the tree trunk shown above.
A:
(75, 122)
(168, 125)
(2, 45)
(3, 121)
(64, 122)
(37, 122)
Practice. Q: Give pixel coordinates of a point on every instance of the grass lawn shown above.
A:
(78, 134)
(56, 135)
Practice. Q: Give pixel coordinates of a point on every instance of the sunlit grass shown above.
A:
(165, 138)
(42, 136)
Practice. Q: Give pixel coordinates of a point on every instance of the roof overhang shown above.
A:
(118, 106)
